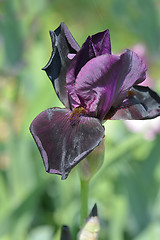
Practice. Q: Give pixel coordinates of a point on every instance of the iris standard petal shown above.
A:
(94, 46)
(63, 44)
(85, 54)
(142, 103)
(133, 72)
(104, 81)
(64, 139)
(96, 84)
(101, 43)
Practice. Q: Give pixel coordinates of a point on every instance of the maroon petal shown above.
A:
(133, 72)
(63, 44)
(143, 103)
(64, 139)
(101, 43)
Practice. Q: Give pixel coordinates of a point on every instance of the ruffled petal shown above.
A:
(143, 103)
(94, 46)
(82, 57)
(104, 81)
(85, 54)
(101, 43)
(96, 84)
(63, 44)
(64, 139)
(133, 72)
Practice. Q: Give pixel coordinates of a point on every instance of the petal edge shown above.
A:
(61, 143)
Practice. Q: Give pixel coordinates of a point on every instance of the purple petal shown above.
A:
(104, 81)
(71, 55)
(133, 72)
(63, 44)
(96, 84)
(65, 139)
(82, 57)
(101, 43)
(143, 103)
(85, 54)
(94, 46)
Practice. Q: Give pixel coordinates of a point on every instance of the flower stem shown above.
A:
(84, 200)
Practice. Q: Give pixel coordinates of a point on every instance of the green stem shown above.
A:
(84, 201)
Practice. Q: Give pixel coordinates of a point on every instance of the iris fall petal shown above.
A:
(63, 139)
(143, 103)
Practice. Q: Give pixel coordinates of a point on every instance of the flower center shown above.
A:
(130, 93)
(75, 115)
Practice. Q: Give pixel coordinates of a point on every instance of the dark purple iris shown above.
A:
(94, 85)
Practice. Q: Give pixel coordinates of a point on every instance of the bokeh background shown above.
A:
(33, 204)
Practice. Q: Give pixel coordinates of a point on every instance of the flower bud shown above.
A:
(91, 229)
(65, 233)
(92, 162)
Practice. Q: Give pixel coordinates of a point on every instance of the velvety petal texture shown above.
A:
(94, 85)
(64, 138)
(63, 44)
(94, 46)
(133, 71)
(142, 103)
(101, 43)
(104, 81)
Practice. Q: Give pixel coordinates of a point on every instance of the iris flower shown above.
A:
(94, 86)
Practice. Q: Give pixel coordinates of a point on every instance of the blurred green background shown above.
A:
(34, 204)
